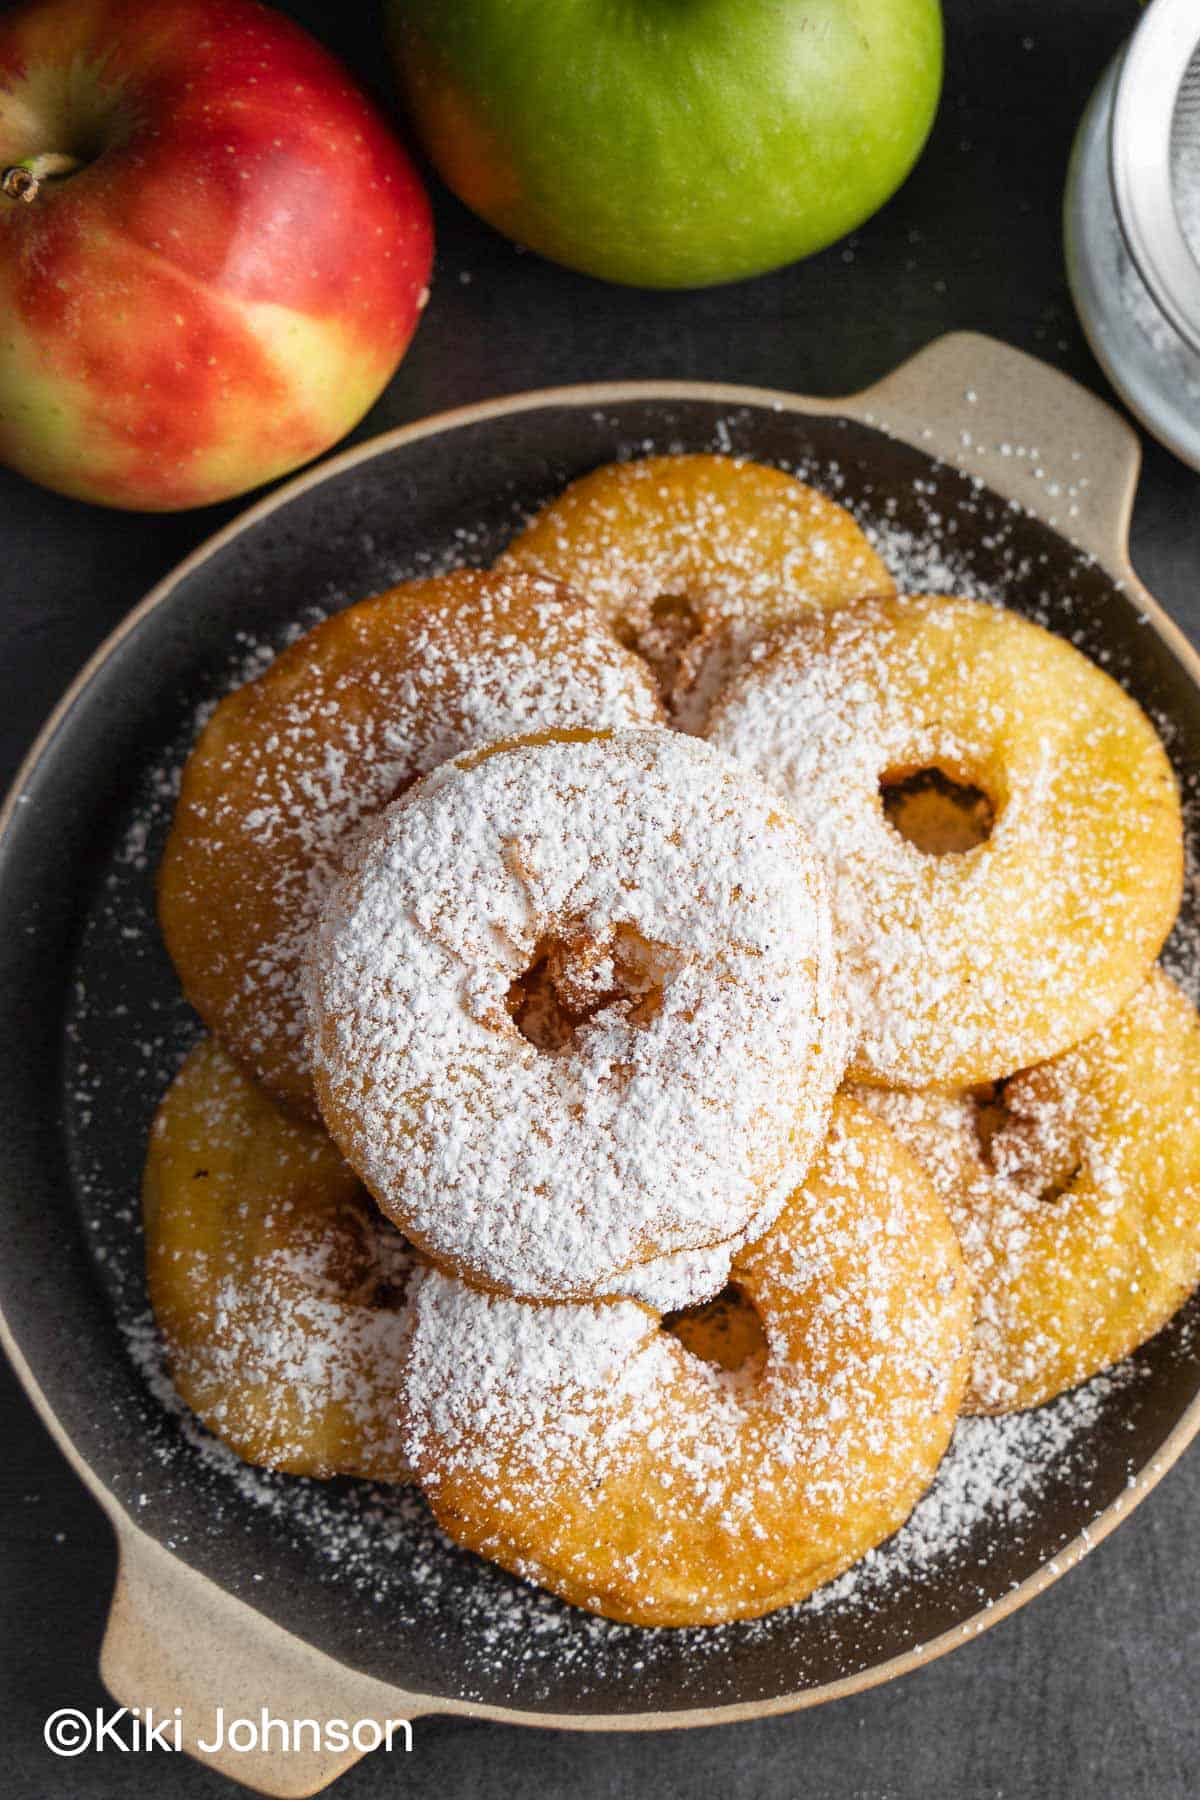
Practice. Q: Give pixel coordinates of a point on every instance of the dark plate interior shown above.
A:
(97, 1028)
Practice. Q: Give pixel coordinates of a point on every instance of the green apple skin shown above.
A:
(671, 143)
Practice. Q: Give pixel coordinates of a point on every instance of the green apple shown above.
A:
(671, 143)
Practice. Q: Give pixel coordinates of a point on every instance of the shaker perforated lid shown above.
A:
(1155, 152)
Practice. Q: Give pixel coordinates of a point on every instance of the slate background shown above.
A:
(1089, 1691)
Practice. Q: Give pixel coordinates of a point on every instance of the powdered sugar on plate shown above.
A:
(382, 1587)
(380, 1554)
(991, 1482)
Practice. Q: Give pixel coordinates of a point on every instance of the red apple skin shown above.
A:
(231, 278)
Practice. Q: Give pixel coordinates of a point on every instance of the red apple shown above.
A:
(213, 252)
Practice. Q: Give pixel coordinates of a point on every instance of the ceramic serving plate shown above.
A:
(976, 467)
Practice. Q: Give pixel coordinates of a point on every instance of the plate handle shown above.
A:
(1024, 428)
(175, 1640)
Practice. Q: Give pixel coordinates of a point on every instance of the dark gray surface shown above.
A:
(1089, 1691)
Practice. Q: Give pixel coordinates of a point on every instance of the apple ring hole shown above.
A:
(665, 634)
(937, 814)
(356, 1256)
(989, 1117)
(576, 977)
(725, 1331)
(1039, 1152)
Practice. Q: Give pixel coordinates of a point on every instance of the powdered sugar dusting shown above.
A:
(1181, 957)
(988, 1488)
(506, 1639)
(1020, 1487)
(286, 771)
(279, 1289)
(1071, 896)
(686, 924)
(692, 558)
(1073, 1191)
(669, 1283)
(283, 1355)
(584, 1447)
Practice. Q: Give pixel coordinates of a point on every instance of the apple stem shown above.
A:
(23, 181)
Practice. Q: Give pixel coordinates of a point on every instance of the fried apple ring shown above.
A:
(588, 1450)
(692, 558)
(278, 1288)
(1075, 1192)
(574, 1010)
(962, 967)
(290, 765)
